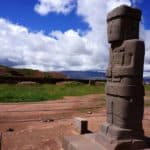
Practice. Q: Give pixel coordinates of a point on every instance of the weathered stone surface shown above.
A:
(81, 125)
(124, 87)
(89, 142)
(123, 24)
(84, 142)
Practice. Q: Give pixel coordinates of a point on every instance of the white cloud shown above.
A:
(43, 7)
(63, 50)
(59, 51)
(146, 38)
(114, 3)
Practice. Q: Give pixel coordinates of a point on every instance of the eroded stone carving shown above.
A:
(124, 88)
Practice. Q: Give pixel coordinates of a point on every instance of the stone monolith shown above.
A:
(124, 87)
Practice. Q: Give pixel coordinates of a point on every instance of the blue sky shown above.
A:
(145, 7)
(62, 34)
(22, 12)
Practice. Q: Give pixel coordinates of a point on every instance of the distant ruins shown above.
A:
(124, 88)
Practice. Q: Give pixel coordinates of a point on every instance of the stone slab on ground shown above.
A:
(84, 142)
(88, 142)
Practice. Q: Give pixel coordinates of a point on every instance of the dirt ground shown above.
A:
(42, 126)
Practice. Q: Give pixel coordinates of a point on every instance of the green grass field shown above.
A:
(147, 87)
(42, 92)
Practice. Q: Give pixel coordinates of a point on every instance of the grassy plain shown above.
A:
(42, 92)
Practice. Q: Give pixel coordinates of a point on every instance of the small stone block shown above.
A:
(81, 125)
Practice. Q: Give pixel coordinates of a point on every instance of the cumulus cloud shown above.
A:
(111, 4)
(59, 51)
(69, 50)
(146, 38)
(43, 7)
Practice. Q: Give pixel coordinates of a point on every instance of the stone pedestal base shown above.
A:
(101, 142)
(82, 142)
(124, 144)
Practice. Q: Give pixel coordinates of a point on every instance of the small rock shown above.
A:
(48, 120)
(10, 130)
(89, 112)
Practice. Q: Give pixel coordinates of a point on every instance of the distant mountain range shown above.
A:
(23, 73)
(147, 79)
(95, 75)
(85, 75)
(79, 75)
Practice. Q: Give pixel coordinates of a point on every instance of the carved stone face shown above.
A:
(122, 28)
(123, 24)
(114, 30)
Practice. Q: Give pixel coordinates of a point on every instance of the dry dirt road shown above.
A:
(41, 126)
